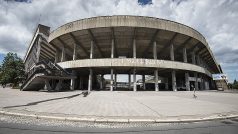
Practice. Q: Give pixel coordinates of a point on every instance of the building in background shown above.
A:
(168, 56)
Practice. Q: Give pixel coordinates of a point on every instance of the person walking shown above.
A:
(194, 90)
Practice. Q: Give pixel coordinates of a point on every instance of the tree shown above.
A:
(12, 69)
(230, 85)
(0, 73)
(235, 84)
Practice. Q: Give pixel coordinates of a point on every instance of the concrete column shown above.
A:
(75, 52)
(63, 54)
(72, 82)
(134, 70)
(193, 58)
(112, 56)
(143, 81)
(59, 85)
(90, 80)
(56, 56)
(185, 59)
(111, 82)
(81, 82)
(196, 80)
(187, 81)
(112, 49)
(172, 52)
(203, 63)
(156, 80)
(115, 83)
(90, 77)
(167, 84)
(213, 84)
(198, 60)
(174, 85)
(129, 80)
(134, 48)
(101, 82)
(47, 85)
(201, 83)
(134, 80)
(154, 50)
(92, 50)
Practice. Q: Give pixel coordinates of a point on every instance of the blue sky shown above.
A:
(216, 21)
(1, 57)
(145, 2)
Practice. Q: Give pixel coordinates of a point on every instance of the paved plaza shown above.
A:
(121, 104)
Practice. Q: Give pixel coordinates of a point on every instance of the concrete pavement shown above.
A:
(22, 125)
(120, 106)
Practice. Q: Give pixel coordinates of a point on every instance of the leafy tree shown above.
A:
(235, 84)
(12, 69)
(0, 73)
(230, 85)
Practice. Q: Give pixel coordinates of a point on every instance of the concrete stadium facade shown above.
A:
(177, 56)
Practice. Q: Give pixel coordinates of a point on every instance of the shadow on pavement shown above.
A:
(37, 102)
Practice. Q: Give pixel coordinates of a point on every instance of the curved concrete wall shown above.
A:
(133, 62)
(129, 21)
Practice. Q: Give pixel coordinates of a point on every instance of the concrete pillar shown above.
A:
(75, 52)
(81, 82)
(156, 80)
(167, 85)
(115, 83)
(57, 56)
(193, 58)
(201, 83)
(101, 82)
(134, 70)
(90, 77)
(187, 81)
(47, 85)
(213, 84)
(112, 49)
(72, 82)
(198, 60)
(154, 50)
(134, 80)
(172, 52)
(129, 80)
(92, 50)
(143, 81)
(59, 85)
(196, 80)
(134, 48)
(185, 59)
(174, 85)
(111, 81)
(112, 56)
(63, 54)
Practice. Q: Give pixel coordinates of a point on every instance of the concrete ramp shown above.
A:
(41, 75)
(35, 83)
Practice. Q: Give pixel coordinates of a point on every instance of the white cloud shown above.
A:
(216, 20)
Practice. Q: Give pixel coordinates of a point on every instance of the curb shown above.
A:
(122, 120)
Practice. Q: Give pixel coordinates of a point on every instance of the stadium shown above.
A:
(150, 53)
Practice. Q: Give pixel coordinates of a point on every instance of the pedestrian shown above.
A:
(194, 90)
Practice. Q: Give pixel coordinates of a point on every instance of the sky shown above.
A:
(217, 20)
